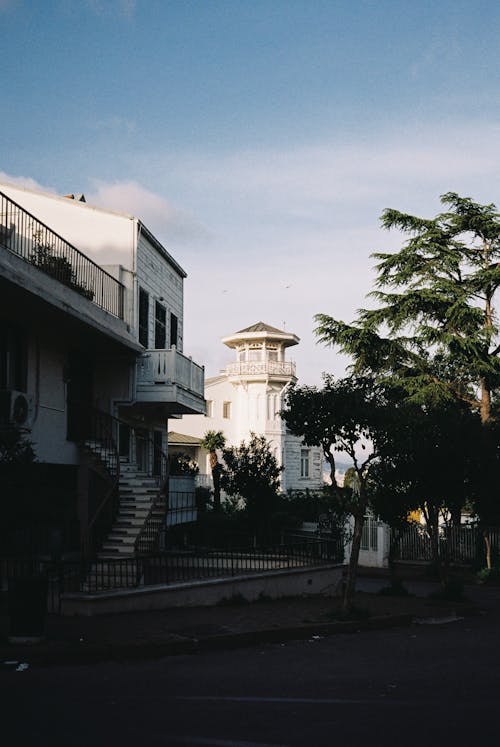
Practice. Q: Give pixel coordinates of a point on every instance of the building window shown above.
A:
(369, 537)
(174, 330)
(304, 462)
(143, 317)
(160, 326)
(209, 409)
(255, 355)
(226, 410)
(13, 359)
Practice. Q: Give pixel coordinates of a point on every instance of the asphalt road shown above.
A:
(424, 685)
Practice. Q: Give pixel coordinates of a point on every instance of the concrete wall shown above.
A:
(324, 580)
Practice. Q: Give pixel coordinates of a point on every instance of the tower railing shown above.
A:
(255, 368)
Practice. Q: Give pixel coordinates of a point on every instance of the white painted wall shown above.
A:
(115, 242)
(104, 236)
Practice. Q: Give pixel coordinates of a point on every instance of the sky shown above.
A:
(259, 140)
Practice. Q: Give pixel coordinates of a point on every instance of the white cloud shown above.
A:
(24, 181)
(305, 217)
(168, 222)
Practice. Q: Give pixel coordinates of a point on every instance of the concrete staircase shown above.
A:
(138, 502)
(138, 492)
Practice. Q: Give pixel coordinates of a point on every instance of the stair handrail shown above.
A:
(104, 426)
(149, 536)
(100, 430)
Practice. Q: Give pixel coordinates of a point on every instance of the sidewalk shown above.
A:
(71, 640)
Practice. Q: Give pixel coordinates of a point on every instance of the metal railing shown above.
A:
(460, 544)
(100, 438)
(27, 237)
(164, 568)
(151, 538)
(271, 368)
(170, 367)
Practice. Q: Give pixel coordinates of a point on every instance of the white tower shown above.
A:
(248, 396)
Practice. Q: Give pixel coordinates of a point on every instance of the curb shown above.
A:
(59, 654)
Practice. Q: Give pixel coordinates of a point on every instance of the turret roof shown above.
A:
(260, 327)
(260, 332)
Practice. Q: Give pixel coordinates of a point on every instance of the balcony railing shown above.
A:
(269, 368)
(29, 238)
(170, 367)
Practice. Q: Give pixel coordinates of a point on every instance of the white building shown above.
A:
(91, 353)
(248, 396)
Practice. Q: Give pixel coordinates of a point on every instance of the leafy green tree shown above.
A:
(435, 328)
(428, 468)
(213, 441)
(182, 464)
(252, 472)
(353, 416)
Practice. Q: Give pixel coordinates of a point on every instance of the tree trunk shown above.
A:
(350, 586)
(216, 478)
(487, 543)
(485, 408)
(331, 462)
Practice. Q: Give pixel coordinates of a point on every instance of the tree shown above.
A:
(353, 416)
(429, 469)
(252, 472)
(435, 329)
(182, 464)
(212, 441)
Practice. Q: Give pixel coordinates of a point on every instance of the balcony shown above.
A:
(170, 378)
(34, 242)
(279, 369)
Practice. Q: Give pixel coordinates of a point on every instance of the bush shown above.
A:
(489, 575)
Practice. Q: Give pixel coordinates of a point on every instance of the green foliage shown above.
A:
(435, 328)
(489, 575)
(354, 415)
(57, 266)
(252, 473)
(203, 497)
(213, 440)
(15, 448)
(182, 464)
(429, 465)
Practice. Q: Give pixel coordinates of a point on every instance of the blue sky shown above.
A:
(260, 141)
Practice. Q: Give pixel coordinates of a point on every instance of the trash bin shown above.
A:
(27, 607)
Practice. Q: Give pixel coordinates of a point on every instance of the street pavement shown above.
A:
(428, 684)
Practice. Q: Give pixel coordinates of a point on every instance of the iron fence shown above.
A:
(163, 568)
(463, 544)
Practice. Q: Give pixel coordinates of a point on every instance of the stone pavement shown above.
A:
(191, 629)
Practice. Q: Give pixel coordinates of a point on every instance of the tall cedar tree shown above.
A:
(436, 326)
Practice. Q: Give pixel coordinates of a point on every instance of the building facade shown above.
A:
(248, 396)
(91, 348)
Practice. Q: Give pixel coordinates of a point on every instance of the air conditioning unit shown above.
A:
(16, 408)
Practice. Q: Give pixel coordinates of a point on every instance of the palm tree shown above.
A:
(212, 441)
